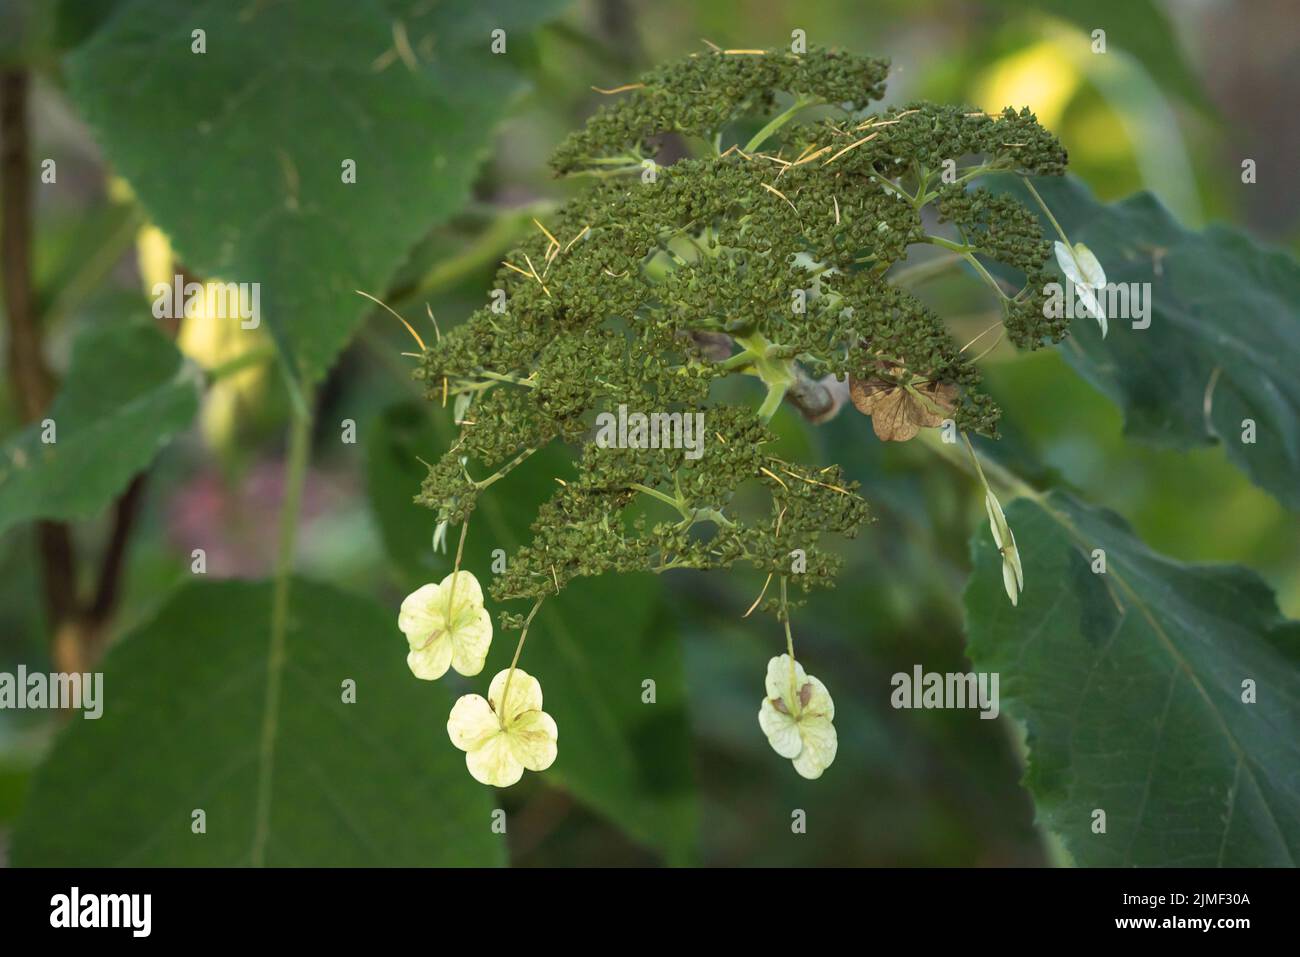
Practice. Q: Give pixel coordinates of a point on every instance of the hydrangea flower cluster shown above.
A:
(775, 252)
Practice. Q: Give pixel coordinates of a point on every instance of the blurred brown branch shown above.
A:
(76, 631)
(30, 377)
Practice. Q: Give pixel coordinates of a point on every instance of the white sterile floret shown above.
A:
(1082, 268)
(446, 625)
(1013, 576)
(499, 744)
(796, 716)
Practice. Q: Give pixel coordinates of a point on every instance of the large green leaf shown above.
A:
(127, 392)
(1130, 684)
(238, 152)
(187, 722)
(1224, 341)
(591, 647)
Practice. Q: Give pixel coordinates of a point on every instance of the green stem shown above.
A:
(295, 477)
(780, 120)
(455, 576)
(889, 184)
(739, 361)
(512, 379)
(661, 496)
(785, 618)
(514, 663)
(922, 271)
(794, 703)
(772, 401)
(1004, 478)
(959, 248)
(774, 370)
(1060, 232)
(975, 459)
(505, 470)
(969, 174)
(622, 159)
(984, 274)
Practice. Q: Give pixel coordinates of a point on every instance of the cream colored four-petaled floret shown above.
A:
(446, 626)
(796, 716)
(507, 732)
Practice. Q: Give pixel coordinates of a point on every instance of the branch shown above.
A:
(819, 400)
(114, 561)
(30, 378)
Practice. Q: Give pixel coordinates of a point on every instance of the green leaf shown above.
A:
(1224, 334)
(127, 392)
(237, 153)
(185, 725)
(395, 442)
(1130, 684)
(591, 648)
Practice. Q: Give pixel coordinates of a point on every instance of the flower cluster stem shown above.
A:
(294, 479)
(778, 121)
(455, 576)
(514, 662)
(794, 703)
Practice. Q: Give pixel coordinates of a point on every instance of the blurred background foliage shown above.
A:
(1186, 92)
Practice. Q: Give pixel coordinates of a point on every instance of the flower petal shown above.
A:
(778, 683)
(416, 618)
(1065, 259)
(1009, 582)
(997, 520)
(431, 661)
(1089, 267)
(469, 593)
(820, 745)
(781, 730)
(819, 700)
(525, 693)
(472, 722)
(533, 738)
(1013, 576)
(1092, 307)
(470, 641)
(1085, 273)
(493, 762)
(1013, 556)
